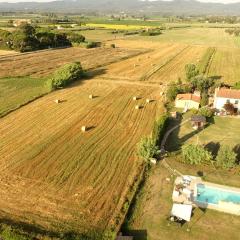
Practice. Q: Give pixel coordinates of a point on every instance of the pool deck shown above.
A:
(187, 194)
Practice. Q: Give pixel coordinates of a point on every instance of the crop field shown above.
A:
(17, 91)
(52, 172)
(160, 66)
(44, 63)
(117, 26)
(225, 64)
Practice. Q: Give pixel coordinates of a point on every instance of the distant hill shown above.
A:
(186, 7)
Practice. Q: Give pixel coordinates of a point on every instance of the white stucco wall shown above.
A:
(220, 102)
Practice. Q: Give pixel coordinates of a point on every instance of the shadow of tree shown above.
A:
(237, 151)
(137, 234)
(213, 147)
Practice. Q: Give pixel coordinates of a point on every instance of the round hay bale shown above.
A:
(137, 107)
(57, 101)
(161, 93)
(84, 128)
(135, 98)
(90, 96)
(148, 100)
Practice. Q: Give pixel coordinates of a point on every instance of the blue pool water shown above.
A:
(214, 195)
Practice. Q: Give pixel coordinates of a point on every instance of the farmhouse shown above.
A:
(224, 95)
(188, 101)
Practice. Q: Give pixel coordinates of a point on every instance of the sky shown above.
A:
(221, 1)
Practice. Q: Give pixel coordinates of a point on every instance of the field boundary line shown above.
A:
(207, 70)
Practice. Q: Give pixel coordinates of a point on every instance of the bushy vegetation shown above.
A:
(196, 154)
(149, 146)
(29, 38)
(66, 75)
(226, 157)
(151, 32)
(159, 129)
(191, 71)
(233, 31)
(147, 149)
(229, 108)
(206, 112)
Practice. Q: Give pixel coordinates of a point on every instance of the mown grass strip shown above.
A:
(206, 60)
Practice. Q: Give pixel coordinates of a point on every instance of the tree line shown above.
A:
(30, 38)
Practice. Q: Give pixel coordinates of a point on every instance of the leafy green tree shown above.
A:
(75, 38)
(147, 149)
(204, 99)
(191, 71)
(202, 83)
(195, 154)
(226, 157)
(66, 74)
(206, 112)
(27, 29)
(172, 92)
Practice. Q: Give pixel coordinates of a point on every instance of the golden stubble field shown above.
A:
(163, 65)
(43, 63)
(53, 174)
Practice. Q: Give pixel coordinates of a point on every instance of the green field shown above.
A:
(214, 37)
(18, 91)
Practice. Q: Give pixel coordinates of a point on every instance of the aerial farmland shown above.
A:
(68, 158)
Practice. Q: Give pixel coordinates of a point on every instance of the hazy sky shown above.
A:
(222, 1)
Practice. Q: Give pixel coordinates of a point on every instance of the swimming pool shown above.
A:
(211, 195)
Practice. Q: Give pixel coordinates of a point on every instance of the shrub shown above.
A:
(159, 129)
(172, 93)
(147, 149)
(92, 45)
(75, 38)
(226, 157)
(195, 154)
(66, 74)
(206, 112)
(229, 107)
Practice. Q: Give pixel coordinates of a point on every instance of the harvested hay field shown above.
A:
(43, 63)
(56, 176)
(160, 66)
(6, 52)
(225, 65)
(174, 68)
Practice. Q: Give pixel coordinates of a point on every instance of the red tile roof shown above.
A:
(228, 93)
(189, 96)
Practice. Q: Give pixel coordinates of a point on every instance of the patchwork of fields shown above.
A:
(56, 176)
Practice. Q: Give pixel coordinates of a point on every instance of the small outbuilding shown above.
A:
(182, 212)
(198, 122)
